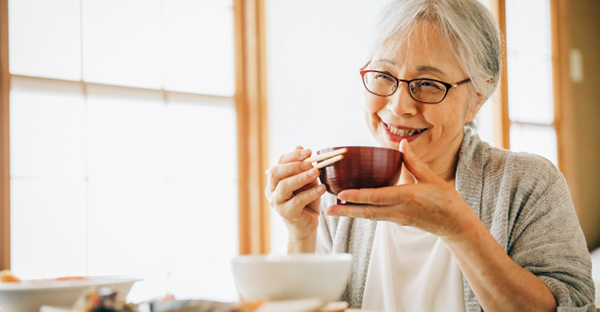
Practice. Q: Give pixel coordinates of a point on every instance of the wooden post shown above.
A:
(564, 112)
(561, 81)
(4, 140)
(251, 109)
(500, 97)
(503, 131)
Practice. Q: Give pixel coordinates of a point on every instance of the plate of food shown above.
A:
(18, 295)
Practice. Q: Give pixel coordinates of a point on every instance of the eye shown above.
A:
(429, 84)
(381, 76)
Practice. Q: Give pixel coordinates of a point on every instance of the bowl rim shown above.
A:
(358, 146)
(293, 258)
(53, 284)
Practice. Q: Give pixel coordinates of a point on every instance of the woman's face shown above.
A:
(439, 127)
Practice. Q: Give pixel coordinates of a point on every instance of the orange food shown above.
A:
(7, 277)
(72, 278)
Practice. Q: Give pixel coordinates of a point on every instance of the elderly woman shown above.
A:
(469, 226)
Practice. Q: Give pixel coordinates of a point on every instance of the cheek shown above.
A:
(448, 121)
(372, 106)
(462, 105)
(373, 103)
(442, 119)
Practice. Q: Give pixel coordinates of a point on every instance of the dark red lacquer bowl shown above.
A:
(362, 167)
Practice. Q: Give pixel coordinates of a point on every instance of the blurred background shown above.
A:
(135, 133)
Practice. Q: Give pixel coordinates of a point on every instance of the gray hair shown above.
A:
(466, 24)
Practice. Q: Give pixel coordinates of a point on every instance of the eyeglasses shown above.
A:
(428, 91)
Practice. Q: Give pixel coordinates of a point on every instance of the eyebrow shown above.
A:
(424, 68)
(420, 68)
(389, 61)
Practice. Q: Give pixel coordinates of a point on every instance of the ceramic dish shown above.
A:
(30, 295)
(289, 277)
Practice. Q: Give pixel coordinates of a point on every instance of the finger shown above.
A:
(280, 172)
(419, 169)
(293, 207)
(391, 195)
(285, 188)
(299, 147)
(298, 154)
(362, 211)
(307, 186)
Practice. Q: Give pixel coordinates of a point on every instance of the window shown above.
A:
(123, 143)
(530, 93)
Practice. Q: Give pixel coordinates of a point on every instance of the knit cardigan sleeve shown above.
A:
(546, 238)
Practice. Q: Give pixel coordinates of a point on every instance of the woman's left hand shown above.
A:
(430, 204)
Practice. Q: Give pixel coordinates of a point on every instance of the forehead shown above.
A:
(425, 48)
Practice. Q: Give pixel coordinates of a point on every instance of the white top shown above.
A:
(411, 270)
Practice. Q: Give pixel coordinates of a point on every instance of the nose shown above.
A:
(401, 103)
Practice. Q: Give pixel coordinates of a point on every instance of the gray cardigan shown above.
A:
(524, 202)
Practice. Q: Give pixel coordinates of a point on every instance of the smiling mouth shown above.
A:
(404, 132)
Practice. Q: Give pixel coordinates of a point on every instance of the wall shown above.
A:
(582, 117)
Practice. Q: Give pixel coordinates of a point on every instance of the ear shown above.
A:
(476, 106)
(477, 103)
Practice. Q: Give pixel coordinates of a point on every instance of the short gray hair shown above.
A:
(467, 24)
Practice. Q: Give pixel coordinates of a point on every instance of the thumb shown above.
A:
(419, 169)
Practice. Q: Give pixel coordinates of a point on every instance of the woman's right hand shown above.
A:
(293, 191)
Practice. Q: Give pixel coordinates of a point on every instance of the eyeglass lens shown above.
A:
(423, 90)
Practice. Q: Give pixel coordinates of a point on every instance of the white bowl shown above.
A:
(29, 296)
(288, 277)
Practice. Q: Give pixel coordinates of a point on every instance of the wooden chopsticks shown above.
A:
(328, 158)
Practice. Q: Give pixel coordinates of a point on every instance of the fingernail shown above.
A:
(321, 188)
(304, 152)
(313, 172)
(306, 166)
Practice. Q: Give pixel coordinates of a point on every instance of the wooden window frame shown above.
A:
(559, 50)
(500, 97)
(561, 82)
(564, 115)
(4, 140)
(251, 112)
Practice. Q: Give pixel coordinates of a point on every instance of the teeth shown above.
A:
(402, 132)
